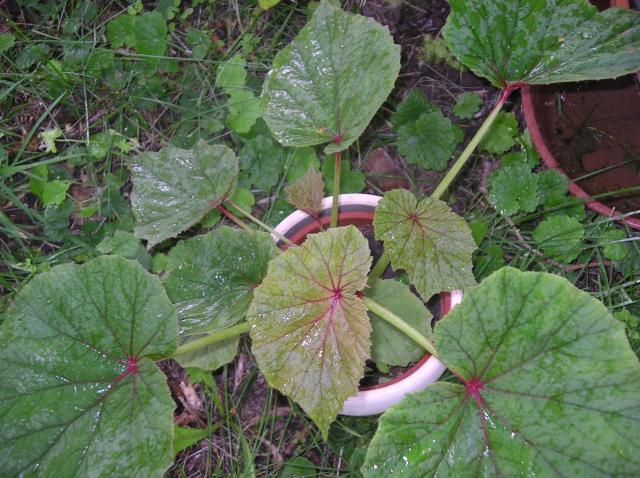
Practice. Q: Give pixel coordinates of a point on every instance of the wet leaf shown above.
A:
(71, 403)
(513, 188)
(307, 192)
(551, 389)
(428, 240)
(310, 331)
(467, 105)
(330, 81)
(388, 344)
(428, 142)
(211, 278)
(174, 188)
(552, 187)
(501, 135)
(539, 42)
(560, 237)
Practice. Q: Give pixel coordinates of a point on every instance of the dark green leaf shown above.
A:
(310, 331)
(467, 105)
(428, 142)
(328, 83)
(260, 163)
(552, 187)
(183, 438)
(174, 188)
(80, 394)
(126, 245)
(550, 388)
(301, 160)
(428, 240)
(539, 42)
(388, 344)
(411, 108)
(501, 135)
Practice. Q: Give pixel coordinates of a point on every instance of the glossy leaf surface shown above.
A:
(428, 240)
(542, 42)
(310, 331)
(329, 82)
(551, 389)
(388, 344)
(71, 403)
(211, 279)
(174, 188)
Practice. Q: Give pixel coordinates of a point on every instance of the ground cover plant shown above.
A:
(544, 379)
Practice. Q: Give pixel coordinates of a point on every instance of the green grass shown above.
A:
(63, 73)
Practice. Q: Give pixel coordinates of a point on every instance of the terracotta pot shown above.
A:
(562, 119)
(359, 209)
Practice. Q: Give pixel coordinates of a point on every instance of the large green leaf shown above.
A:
(79, 393)
(428, 240)
(541, 42)
(174, 188)
(211, 279)
(310, 331)
(550, 388)
(388, 344)
(329, 82)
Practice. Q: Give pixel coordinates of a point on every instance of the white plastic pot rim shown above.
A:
(377, 400)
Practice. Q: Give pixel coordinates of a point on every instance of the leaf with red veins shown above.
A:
(428, 240)
(310, 330)
(307, 192)
(550, 387)
(80, 394)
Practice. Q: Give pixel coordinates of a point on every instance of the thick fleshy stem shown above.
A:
(480, 134)
(378, 269)
(400, 324)
(335, 205)
(210, 339)
(254, 219)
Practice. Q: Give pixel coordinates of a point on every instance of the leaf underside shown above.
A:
(425, 238)
(211, 279)
(309, 330)
(551, 388)
(330, 80)
(174, 188)
(69, 406)
(542, 42)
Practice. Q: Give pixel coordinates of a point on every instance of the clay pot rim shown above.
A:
(377, 398)
(550, 161)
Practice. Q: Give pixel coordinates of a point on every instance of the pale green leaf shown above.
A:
(388, 344)
(232, 74)
(54, 192)
(174, 188)
(301, 159)
(80, 394)
(428, 240)
(549, 387)
(244, 110)
(560, 237)
(49, 137)
(7, 40)
(328, 83)
(541, 42)
(183, 438)
(266, 4)
(310, 331)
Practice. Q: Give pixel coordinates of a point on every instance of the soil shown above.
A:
(592, 130)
